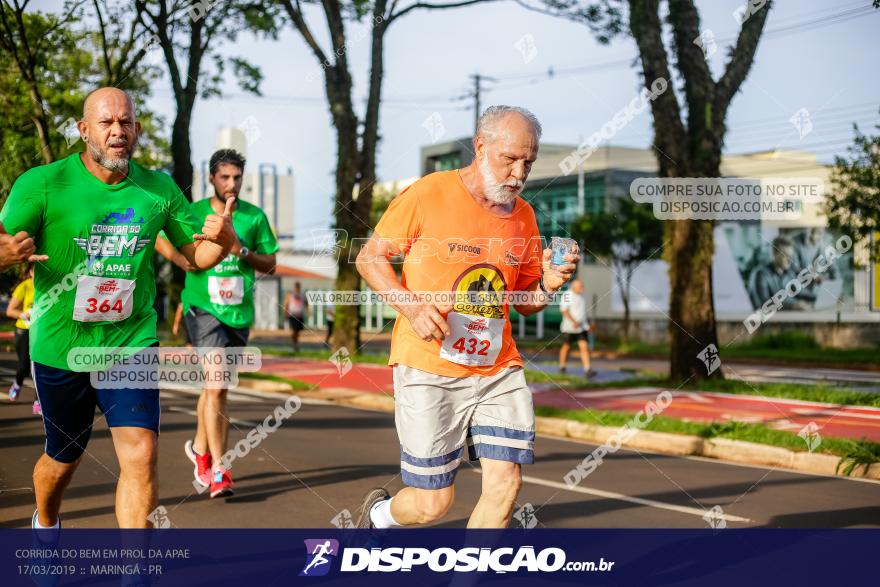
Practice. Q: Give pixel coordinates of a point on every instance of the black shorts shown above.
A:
(205, 330)
(68, 400)
(296, 324)
(574, 337)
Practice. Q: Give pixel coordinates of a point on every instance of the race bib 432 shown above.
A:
(475, 340)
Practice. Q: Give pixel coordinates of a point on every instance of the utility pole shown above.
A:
(475, 94)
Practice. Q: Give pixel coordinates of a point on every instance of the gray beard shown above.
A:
(494, 191)
(116, 165)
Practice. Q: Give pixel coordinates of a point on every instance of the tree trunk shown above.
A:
(355, 167)
(181, 151)
(346, 327)
(691, 304)
(42, 125)
(625, 292)
(690, 251)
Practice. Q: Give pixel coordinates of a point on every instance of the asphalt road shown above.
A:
(324, 458)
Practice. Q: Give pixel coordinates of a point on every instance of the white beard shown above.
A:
(494, 191)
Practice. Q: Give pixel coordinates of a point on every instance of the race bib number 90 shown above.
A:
(475, 340)
(226, 291)
(103, 299)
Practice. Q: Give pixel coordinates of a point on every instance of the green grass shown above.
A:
(798, 347)
(788, 347)
(296, 384)
(861, 452)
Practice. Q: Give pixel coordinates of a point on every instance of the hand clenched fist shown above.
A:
(18, 248)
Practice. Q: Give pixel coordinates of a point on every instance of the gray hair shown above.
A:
(487, 125)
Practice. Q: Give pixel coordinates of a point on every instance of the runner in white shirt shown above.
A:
(575, 326)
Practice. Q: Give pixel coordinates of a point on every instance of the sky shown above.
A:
(818, 55)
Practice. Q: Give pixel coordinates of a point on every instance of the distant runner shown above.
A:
(458, 377)
(296, 305)
(19, 309)
(95, 216)
(575, 327)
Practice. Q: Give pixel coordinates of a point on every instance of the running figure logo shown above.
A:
(319, 554)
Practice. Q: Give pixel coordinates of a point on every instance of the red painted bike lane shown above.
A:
(853, 422)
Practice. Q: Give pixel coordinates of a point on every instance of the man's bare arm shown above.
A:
(374, 266)
(167, 250)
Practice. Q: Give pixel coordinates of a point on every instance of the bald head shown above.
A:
(577, 287)
(107, 98)
(109, 128)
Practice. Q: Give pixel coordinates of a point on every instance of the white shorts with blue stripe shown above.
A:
(438, 416)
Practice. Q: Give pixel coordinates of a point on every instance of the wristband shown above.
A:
(544, 289)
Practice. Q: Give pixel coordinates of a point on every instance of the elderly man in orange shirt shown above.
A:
(470, 239)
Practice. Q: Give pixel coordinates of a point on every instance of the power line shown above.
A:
(555, 73)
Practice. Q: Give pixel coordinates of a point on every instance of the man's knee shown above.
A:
(434, 503)
(49, 467)
(139, 453)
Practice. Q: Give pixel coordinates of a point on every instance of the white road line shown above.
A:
(630, 499)
(697, 398)
(231, 396)
(838, 413)
(194, 413)
(321, 371)
(243, 394)
(620, 392)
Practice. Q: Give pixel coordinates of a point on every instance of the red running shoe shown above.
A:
(221, 483)
(202, 469)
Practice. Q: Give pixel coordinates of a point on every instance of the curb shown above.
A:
(722, 449)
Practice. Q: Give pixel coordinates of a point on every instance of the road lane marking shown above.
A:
(194, 413)
(620, 392)
(631, 499)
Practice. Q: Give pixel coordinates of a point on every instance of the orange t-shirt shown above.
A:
(460, 252)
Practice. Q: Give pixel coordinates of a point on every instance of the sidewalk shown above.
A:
(853, 422)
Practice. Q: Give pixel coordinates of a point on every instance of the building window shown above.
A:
(446, 162)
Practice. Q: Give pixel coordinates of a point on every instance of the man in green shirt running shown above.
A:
(218, 307)
(94, 217)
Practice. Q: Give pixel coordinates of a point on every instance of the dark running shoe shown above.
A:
(371, 499)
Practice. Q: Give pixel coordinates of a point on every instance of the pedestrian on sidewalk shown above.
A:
(575, 327)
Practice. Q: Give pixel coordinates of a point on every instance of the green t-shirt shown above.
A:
(98, 287)
(227, 290)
